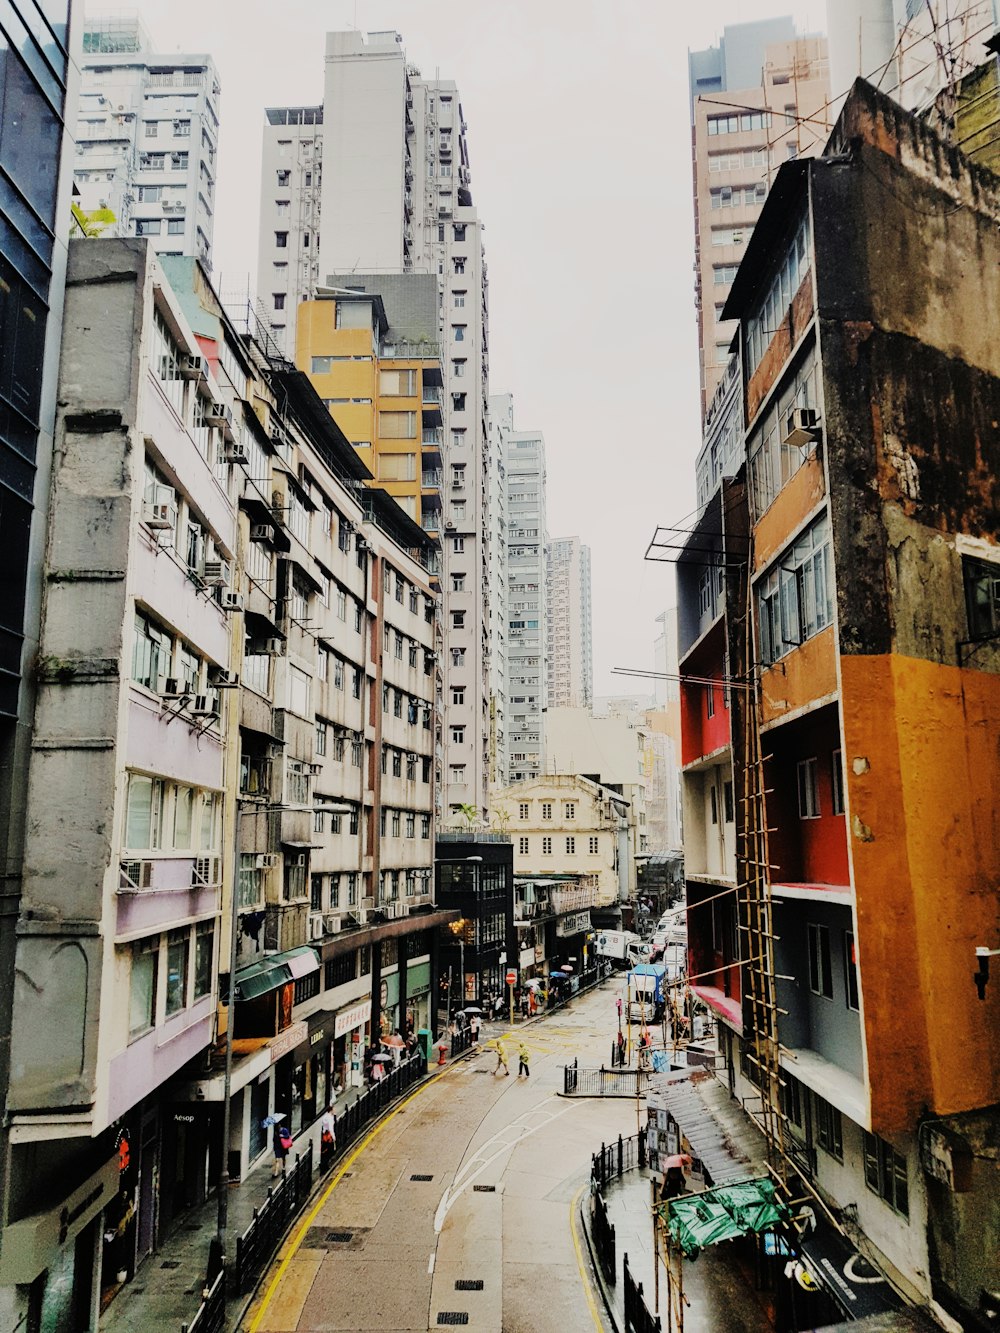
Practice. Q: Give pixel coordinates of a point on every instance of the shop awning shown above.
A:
(269, 973)
(697, 1220)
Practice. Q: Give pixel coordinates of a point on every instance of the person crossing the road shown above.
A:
(523, 1056)
(501, 1051)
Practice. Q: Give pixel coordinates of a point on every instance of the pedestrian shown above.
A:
(327, 1135)
(475, 1023)
(525, 1003)
(282, 1140)
(523, 1056)
(501, 1059)
(621, 1047)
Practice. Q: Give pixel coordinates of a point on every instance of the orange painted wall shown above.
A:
(798, 497)
(807, 673)
(925, 843)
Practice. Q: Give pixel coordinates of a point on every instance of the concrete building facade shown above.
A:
(758, 98)
(569, 631)
(869, 671)
(395, 197)
(527, 606)
(501, 424)
(147, 139)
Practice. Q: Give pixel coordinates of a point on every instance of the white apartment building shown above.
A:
(147, 137)
(291, 184)
(526, 605)
(393, 188)
(501, 423)
(570, 640)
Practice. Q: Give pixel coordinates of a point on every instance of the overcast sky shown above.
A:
(579, 141)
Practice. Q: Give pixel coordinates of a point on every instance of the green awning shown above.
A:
(275, 970)
(723, 1213)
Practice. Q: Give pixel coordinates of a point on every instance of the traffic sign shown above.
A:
(511, 978)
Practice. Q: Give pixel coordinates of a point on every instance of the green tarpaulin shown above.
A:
(697, 1220)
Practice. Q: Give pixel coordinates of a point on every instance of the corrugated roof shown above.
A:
(716, 1127)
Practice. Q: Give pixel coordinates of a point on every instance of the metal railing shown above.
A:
(461, 1040)
(211, 1313)
(637, 1317)
(270, 1222)
(615, 1159)
(602, 1230)
(603, 1082)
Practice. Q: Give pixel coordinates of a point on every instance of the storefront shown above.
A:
(56, 1255)
(352, 1026)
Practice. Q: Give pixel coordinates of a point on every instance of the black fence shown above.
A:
(604, 1082)
(211, 1315)
(602, 1229)
(637, 1317)
(615, 1159)
(461, 1040)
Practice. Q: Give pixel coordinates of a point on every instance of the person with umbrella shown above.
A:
(281, 1142)
(475, 1023)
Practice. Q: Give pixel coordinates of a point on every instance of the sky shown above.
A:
(579, 142)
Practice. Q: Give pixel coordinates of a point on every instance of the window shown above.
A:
(778, 296)
(142, 986)
(143, 813)
(571, 846)
(522, 846)
(850, 971)
(397, 425)
(458, 545)
(411, 824)
(727, 801)
(793, 601)
(204, 953)
(982, 596)
(395, 823)
(458, 657)
(458, 694)
(593, 845)
(820, 976)
(569, 810)
(458, 619)
(714, 801)
(178, 948)
(151, 651)
(724, 274)
(791, 1098)
(458, 402)
(523, 810)
(457, 772)
(808, 789)
(296, 783)
(425, 826)
(281, 240)
(837, 782)
(148, 227)
(458, 735)
(739, 124)
(885, 1173)
(279, 300)
(321, 734)
(546, 809)
(322, 663)
(829, 1131)
(458, 332)
(175, 226)
(546, 846)
(397, 383)
(298, 691)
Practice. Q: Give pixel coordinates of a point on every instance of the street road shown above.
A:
(462, 1202)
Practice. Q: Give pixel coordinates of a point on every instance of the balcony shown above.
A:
(573, 899)
(430, 438)
(432, 394)
(432, 480)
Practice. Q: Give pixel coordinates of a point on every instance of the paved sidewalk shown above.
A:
(166, 1289)
(720, 1300)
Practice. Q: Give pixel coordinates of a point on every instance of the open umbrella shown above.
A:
(381, 1059)
(270, 1120)
(394, 1040)
(557, 976)
(566, 967)
(534, 983)
(471, 1009)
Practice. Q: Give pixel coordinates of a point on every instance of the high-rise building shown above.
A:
(569, 630)
(147, 138)
(526, 605)
(39, 78)
(758, 98)
(390, 179)
(501, 423)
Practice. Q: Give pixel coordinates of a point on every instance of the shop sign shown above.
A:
(355, 1017)
(288, 1040)
(573, 924)
(317, 1037)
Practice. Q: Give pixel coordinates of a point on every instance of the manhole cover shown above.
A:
(170, 1263)
(484, 1189)
(469, 1284)
(453, 1317)
(421, 1177)
(347, 1175)
(339, 1237)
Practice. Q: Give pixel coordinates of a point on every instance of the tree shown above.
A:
(470, 813)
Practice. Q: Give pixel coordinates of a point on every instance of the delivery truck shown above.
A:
(622, 947)
(646, 993)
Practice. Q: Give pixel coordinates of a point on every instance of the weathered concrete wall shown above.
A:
(72, 779)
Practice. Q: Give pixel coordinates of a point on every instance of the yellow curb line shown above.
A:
(574, 1212)
(347, 1162)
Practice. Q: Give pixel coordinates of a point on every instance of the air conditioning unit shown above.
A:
(801, 426)
(135, 875)
(275, 647)
(261, 532)
(206, 705)
(299, 859)
(173, 689)
(216, 573)
(159, 510)
(231, 601)
(333, 922)
(360, 915)
(236, 453)
(316, 928)
(204, 871)
(219, 414)
(193, 367)
(368, 904)
(315, 770)
(224, 680)
(449, 523)
(412, 758)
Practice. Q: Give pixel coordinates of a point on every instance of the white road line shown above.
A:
(430, 1262)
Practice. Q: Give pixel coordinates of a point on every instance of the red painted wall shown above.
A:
(701, 734)
(804, 850)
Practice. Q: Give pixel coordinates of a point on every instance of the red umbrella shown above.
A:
(681, 1161)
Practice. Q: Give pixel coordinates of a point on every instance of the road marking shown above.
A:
(481, 1163)
(430, 1262)
(338, 1176)
(574, 1212)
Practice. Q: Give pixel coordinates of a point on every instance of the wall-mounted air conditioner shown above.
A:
(801, 428)
(316, 928)
(230, 601)
(216, 573)
(134, 876)
(159, 510)
(206, 705)
(261, 532)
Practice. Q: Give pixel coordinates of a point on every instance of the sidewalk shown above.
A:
(720, 1300)
(166, 1289)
